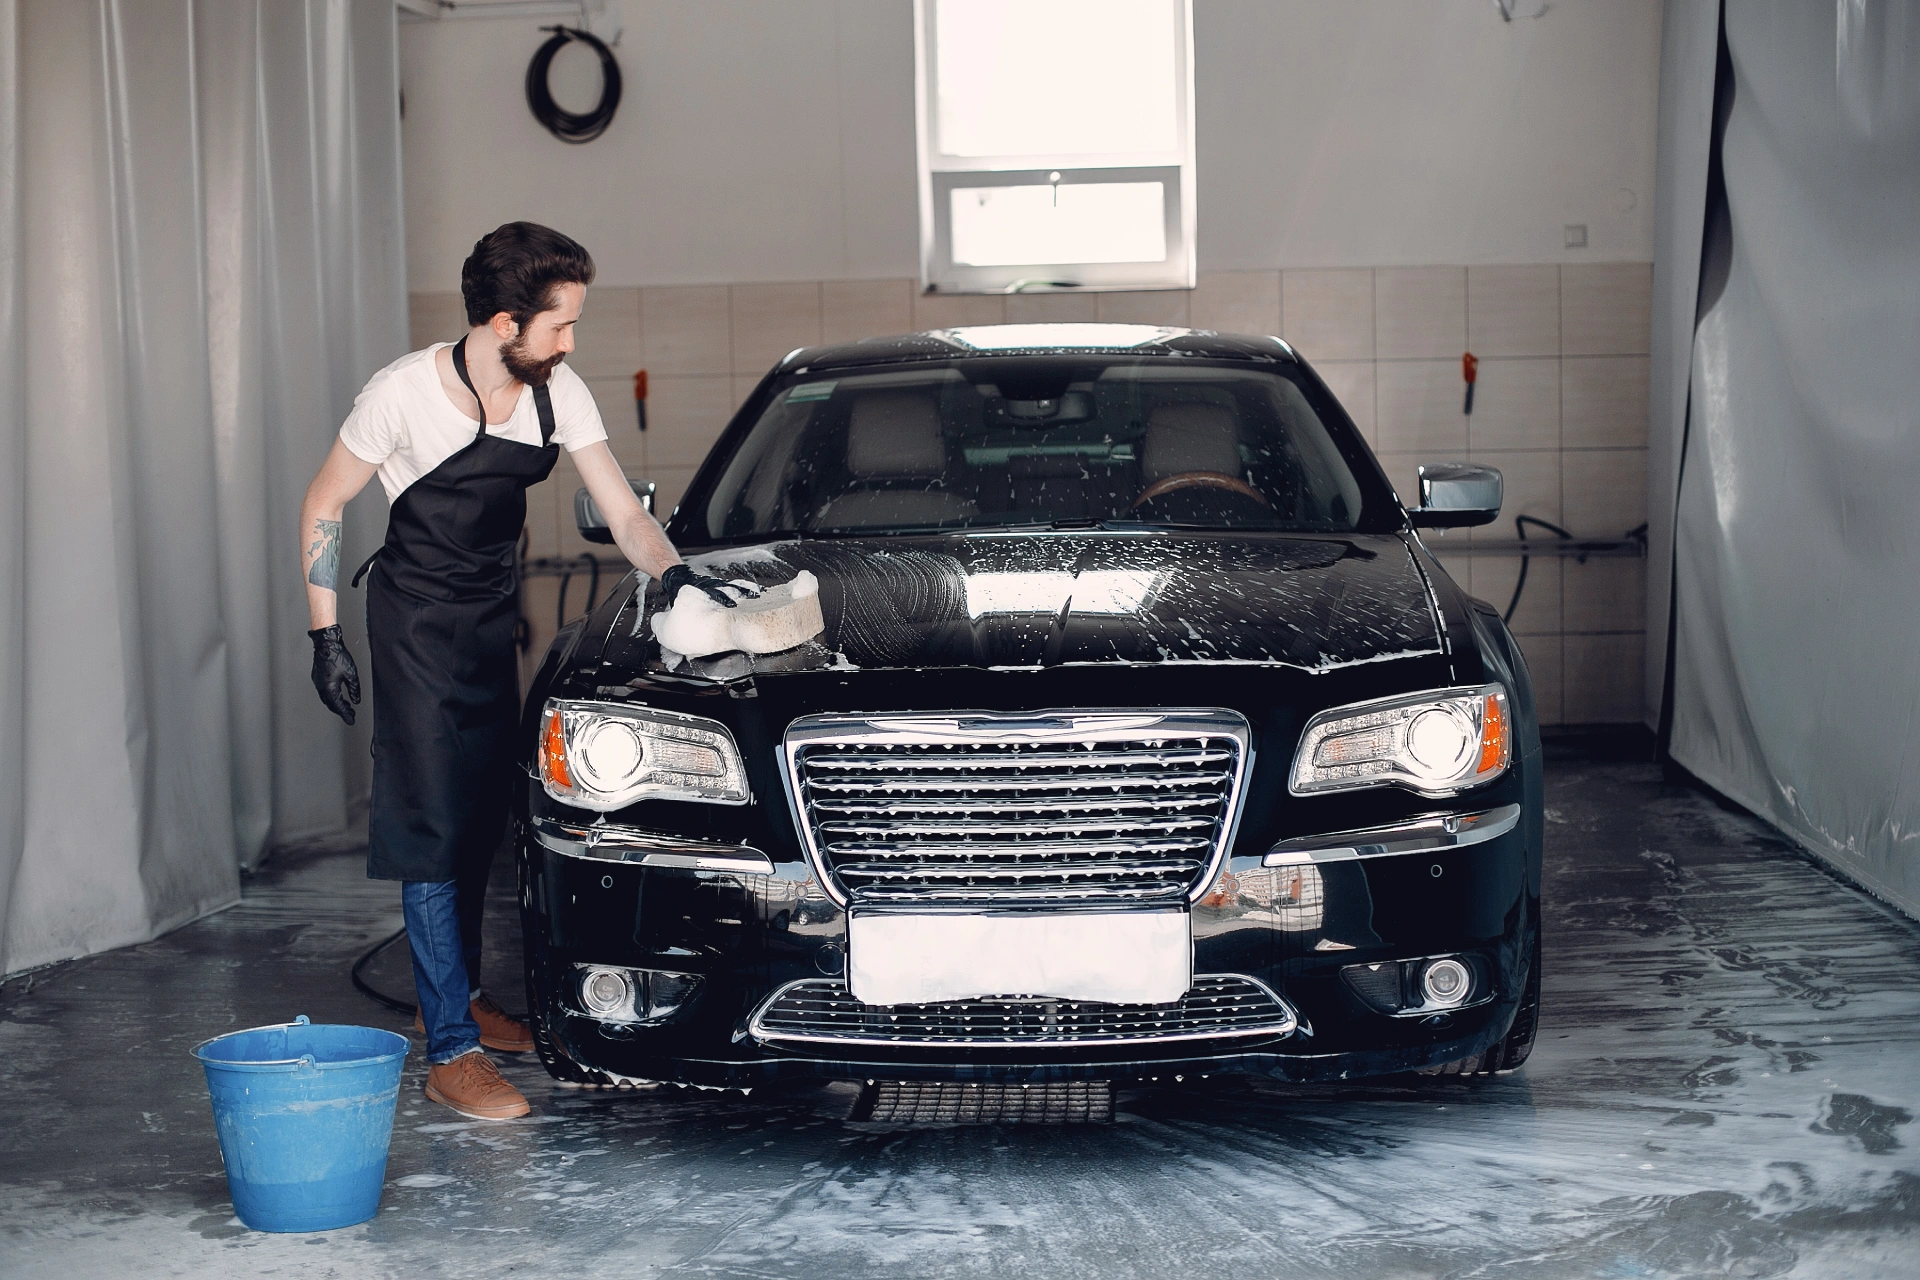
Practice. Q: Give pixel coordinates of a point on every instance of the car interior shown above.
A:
(952, 448)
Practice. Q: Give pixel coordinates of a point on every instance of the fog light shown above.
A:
(606, 991)
(626, 996)
(1446, 983)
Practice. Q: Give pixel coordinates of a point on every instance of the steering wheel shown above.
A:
(1199, 480)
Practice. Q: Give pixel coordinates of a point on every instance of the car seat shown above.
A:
(896, 461)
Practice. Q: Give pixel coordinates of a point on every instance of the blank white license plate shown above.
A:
(1120, 957)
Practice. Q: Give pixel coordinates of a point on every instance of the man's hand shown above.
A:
(680, 575)
(334, 674)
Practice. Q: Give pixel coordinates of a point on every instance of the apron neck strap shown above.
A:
(460, 367)
(542, 398)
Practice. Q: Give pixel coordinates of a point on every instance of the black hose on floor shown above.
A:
(367, 989)
(373, 993)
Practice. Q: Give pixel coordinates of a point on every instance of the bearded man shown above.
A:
(456, 433)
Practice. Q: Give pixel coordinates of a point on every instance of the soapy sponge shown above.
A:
(780, 617)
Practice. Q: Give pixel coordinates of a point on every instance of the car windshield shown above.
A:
(1014, 441)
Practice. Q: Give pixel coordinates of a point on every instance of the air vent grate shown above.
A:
(953, 1102)
(1220, 1006)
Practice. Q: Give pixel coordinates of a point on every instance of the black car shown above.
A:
(1141, 736)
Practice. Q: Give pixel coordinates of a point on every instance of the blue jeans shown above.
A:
(443, 932)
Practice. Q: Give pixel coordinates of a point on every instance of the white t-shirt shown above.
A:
(403, 423)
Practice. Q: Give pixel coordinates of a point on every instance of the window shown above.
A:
(993, 441)
(1056, 144)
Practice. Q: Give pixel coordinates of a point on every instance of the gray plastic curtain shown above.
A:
(1795, 585)
(201, 261)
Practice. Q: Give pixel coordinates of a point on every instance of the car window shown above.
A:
(1016, 441)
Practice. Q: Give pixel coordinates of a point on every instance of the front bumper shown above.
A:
(1289, 921)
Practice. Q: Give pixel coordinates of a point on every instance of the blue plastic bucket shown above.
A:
(305, 1115)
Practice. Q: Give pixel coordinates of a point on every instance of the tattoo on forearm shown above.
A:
(325, 551)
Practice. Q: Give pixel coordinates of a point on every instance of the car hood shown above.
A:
(1024, 600)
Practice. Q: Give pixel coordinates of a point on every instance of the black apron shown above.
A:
(441, 607)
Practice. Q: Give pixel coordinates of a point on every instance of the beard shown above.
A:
(532, 372)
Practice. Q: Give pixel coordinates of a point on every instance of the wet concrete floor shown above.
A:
(1727, 1075)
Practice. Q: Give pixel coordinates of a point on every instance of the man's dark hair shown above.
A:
(516, 267)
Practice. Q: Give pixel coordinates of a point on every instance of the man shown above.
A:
(456, 433)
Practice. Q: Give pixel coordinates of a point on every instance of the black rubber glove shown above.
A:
(334, 674)
(681, 576)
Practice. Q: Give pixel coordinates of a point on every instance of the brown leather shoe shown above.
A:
(498, 1030)
(471, 1085)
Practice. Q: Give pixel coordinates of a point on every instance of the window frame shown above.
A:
(939, 174)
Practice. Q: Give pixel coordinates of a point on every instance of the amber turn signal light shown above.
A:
(553, 752)
(1494, 737)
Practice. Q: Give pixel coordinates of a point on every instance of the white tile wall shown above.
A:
(1513, 311)
(1328, 315)
(1516, 404)
(953, 310)
(1601, 680)
(769, 320)
(1606, 309)
(1419, 312)
(1560, 408)
(1539, 612)
(1237, 302)
(1417, 408)
(854, 309)
(1606, 490)
(1603, 402)
(684, 417)
(686, 329)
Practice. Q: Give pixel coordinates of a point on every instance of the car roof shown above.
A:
(1040, 339)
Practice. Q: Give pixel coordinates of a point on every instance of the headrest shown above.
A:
(896, 434)
(1191, 437)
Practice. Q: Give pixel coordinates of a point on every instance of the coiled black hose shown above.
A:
(566, 125)
(366, 988)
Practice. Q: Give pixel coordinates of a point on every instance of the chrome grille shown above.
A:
(1219, 1006)
(1057, 806)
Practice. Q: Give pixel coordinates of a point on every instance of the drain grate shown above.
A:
(952, 1102)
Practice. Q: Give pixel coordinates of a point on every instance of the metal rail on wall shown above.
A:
(1563, 545)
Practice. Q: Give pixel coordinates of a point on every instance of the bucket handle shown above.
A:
(305, 1061)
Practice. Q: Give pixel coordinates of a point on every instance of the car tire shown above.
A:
(1517, 1045)
(539, 993)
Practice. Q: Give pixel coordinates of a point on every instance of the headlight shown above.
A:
(603, 755)
(1436, 743)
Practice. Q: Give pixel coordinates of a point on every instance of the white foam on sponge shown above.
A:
(778, 618)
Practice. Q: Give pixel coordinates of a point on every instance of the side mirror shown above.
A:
(593, 525)
(1456, 494)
